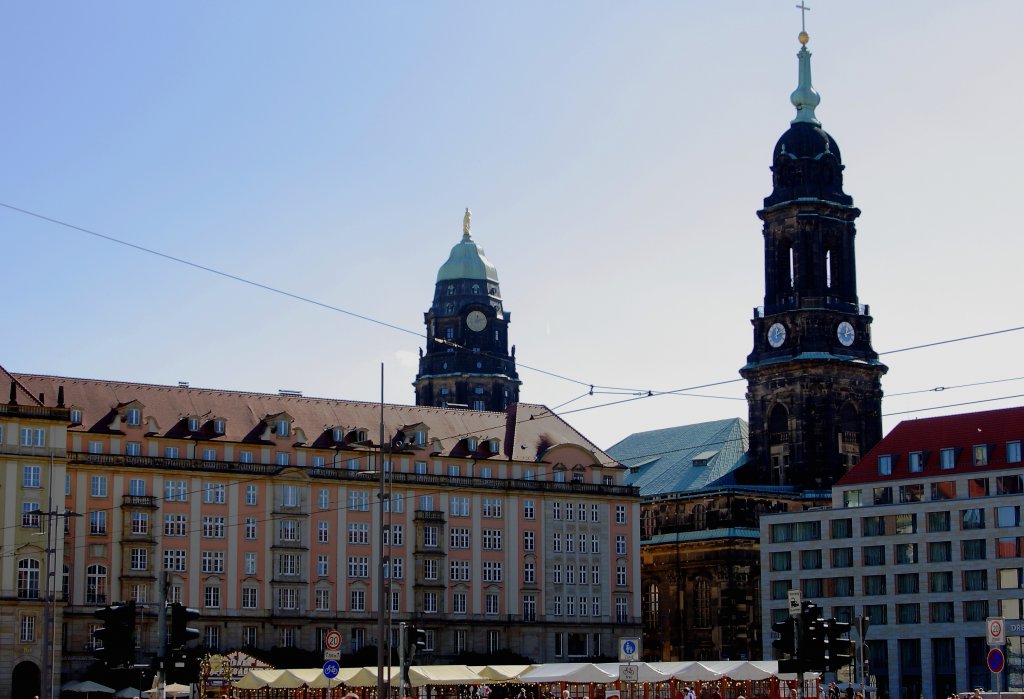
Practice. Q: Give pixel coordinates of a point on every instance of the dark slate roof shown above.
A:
(683, 459)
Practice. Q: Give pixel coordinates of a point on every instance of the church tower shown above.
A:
(813, 380)
(467, 363)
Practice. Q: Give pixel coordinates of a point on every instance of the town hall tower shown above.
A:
(467, 363)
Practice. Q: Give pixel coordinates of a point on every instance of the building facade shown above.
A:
(924, 538)
(499, 531)
(32, 452)
(467, 363)
(814, 391)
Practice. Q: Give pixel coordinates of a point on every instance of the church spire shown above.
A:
(805, 98)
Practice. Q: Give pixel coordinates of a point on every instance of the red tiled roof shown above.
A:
(524, 433)
(930, 435)
(21, 394)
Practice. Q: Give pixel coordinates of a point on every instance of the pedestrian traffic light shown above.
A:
(116, 639)
(786, 643)
(181, 632)
(838, 651)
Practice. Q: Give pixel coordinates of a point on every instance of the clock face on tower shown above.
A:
(776, 335)
(476, 321)
(846, 334)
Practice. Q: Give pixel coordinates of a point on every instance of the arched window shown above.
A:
(653, 604)
(96, 584)
(778, 441)
(849, 435)
(702, 604)
(28, 578)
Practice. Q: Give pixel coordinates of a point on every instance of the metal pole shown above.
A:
(161, 629)
(381, 625)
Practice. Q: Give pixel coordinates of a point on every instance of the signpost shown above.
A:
(795, 602)
(995, 630)
(331, 669)
(996, 660)
(332, 640)
(629, 649)
(629, 673)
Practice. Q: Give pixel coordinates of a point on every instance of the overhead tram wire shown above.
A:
(635, 393)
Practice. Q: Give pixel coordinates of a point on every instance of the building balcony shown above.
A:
(145, 502)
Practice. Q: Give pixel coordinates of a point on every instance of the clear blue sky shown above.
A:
(613, 154)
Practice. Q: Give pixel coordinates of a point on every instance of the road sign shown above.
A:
(995, 630)
(629, 649)
(629, 673)
(795, 602)
(332, 655)
(1014, 628)
(331, 669)
(332, 640)
(996, 660)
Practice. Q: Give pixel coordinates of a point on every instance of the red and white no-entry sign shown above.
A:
(332, 640)
(995, 630)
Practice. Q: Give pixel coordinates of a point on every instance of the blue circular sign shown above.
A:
(629, 648)
(996, 660)
(331, 669)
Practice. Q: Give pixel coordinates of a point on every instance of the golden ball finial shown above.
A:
(804, 38)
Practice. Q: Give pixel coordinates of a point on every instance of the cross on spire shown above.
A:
(803, 15)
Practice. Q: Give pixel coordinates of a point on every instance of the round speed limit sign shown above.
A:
(332, 641)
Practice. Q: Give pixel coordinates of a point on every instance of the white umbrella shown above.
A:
(128, 692)
(171, 690)
(90, 687)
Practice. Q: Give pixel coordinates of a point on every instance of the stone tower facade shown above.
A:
(467, 363)
(813, 379)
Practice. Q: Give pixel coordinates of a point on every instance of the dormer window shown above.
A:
(133, 417)
(76, 416)
(916, 461)
(885, 465)
(419, 438)
(981, 455)
(338, 434)
(471, 443)
(492, 446)
(218, 426)
(282, 428)
(359, 435)
(193, 424)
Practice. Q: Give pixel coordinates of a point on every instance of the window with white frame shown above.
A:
(174, 525)
(556, 542)
(170, 452)
(529, 573)
(430, 602)
(139, 559)
(583, 575)
(137, 487)
(323, 568)
(358, 567)
(28, 578)
(211, 597)
(174, 560)
(209, 454)
(323, 498)
(620, 575)
(290, 496)
(1013, 452)
(492, 571)
(250, 636)
(211, 633)
(358, 533)
(620, 545)
(458, 603)
(595, 544)
(213, 527)
(287, 598)
(323, 532)
(459, 538)
(357, 600)
(916, 461)
(595, 513)
(529, 540)
(980, 452)
(530, 607)
(96, 584)
(250, 528)
(885, 465)
(430, 537)
(322, 598)
(31, 477)
(95, 446)
(427, 503)
(245, 457)
(459, 506)
(28, 629)
(491, 603)
(491, 539)
(529, 509)
(30, 514)
(359, 500)
(458, 571)
(133, 449)
(556, 510)
(98, 486)
(31, 437)
(250, 596)
(250, 563)
(282, 458)
(176, 491)
(133, 417)
(394, 568)
(213, 561)
(251, 491)
(430, 569)
(492, 507)
(98, 522)
(213, 493)
(282, 428)
(556, 573)
(947, 458)
(288, 529)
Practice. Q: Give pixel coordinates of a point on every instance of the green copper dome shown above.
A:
(467, 260)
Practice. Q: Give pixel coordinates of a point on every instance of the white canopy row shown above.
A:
(575, 673)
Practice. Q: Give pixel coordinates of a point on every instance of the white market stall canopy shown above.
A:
(549, 673)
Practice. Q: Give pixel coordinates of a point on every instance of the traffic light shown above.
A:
(417, 640)
(838, 651)
(181, 632)
(116, 640)
(786, 643)
(812, 638)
